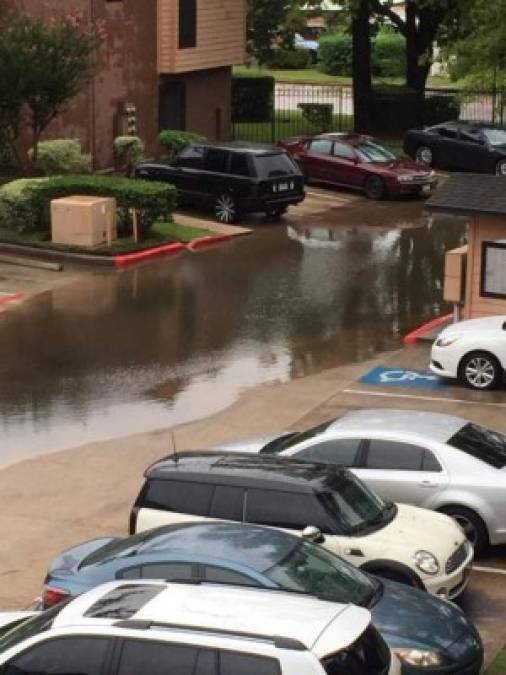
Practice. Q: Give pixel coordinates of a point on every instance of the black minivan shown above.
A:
(232, 177)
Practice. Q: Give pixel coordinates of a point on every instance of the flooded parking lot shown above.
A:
(180, 338)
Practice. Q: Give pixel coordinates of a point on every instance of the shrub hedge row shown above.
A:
(252, 99)
(289, 59)
(152, 200)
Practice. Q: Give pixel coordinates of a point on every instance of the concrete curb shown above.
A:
(11, 297)
(413, 337)
(139, 256)
(210, 240)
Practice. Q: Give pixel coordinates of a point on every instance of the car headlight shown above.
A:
(426, 562)
(447, 340)
(405, 178)
(432, 174)
(423, 658)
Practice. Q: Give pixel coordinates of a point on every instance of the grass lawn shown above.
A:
(313, 75)
(161, 233)
(499, 665)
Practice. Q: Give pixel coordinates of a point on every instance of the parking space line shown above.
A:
(438, 399)
(332, 198)
(488, 570)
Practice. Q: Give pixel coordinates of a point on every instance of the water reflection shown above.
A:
(118, 353)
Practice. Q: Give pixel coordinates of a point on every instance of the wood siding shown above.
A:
(482, 229)
(221, 36)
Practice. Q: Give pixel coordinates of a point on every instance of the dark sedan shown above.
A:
(359, 162)
(428, 634)
(480, 148)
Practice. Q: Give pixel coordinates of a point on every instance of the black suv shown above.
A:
(233, 177)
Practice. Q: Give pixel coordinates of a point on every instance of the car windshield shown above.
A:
(30, 627)
(289, 440)
(372, 152)
(484, 444)
(495, 136)
(311, 569)
(275, 165)
(356, 508)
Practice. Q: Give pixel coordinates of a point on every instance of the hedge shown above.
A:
(152, 200)
(252, 99)
(335, 53)
(61, 156)
(389, 54)
(173, 140)
(289, 59)
(128, 151)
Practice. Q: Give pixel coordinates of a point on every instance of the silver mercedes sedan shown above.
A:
(436, 461)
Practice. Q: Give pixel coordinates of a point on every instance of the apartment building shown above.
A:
(164, 64)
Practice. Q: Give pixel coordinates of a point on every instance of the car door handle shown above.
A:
(428, 484)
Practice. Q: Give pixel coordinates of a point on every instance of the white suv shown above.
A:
(331, 506)
(158, 628)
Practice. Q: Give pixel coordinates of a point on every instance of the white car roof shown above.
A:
(430, 425)
(321, 627)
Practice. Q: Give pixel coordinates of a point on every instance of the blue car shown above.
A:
(428, 634)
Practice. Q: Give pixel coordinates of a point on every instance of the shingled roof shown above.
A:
(470, 194)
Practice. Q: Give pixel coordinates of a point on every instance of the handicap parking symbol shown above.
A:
(403, 377)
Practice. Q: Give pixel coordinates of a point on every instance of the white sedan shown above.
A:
(473, 352)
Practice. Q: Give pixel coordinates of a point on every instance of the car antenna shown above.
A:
(174, 448)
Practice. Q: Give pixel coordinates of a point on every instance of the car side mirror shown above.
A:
(314, 534)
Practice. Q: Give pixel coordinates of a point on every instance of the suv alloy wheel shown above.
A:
(225, 209)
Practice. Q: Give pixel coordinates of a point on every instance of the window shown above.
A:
(284, 509)
(227, 503)
(220, 575)
(448, 132)
(239, 165)
(192, 157)
(372, 152)
(321, 146)
(342, 452)
(343, 151)
(187, 24)
(179, 496)
(484, 444)
(216, 160)
(155, 658)
(168, 571)
(392, 455)
(246, 664)
(471, 136)
(430, 463)
(62, 656)
(493, 269)
(275, 165)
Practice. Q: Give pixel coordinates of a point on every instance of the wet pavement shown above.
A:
(167, 342)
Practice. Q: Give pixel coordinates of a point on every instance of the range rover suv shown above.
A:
(232, 177)
(331, 506)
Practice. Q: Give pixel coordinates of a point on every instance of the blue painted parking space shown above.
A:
(403, 377)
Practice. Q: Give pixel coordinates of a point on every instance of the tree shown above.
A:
(362, 78)
(271, 20)
(479, 55)
(425, 21)
(43, 65)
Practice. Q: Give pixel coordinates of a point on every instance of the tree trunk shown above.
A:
(419, 38)
(362, 80)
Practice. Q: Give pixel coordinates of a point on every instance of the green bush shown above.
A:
(289, 59)
(173, 141)
(389, 53)
(152, 200)
(16, 212)
(252, 99)
(335, 53)
(440, 108)
(128, 151)
(62, 156)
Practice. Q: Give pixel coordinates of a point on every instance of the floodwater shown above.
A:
(174, 340)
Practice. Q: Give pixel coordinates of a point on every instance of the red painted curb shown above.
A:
(208, 241)
(166, 249)
(6, 299)
(413, 337)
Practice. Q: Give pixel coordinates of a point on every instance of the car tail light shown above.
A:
(51, 596)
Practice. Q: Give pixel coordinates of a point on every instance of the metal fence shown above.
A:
(307, 108)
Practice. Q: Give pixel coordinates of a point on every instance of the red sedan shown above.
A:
(358, 162)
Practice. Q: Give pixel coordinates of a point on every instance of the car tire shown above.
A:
(480, 370)
(276, 213)
(225, 209)
(500, 168)
(424, 155)
(374, 187)
(473, 526)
